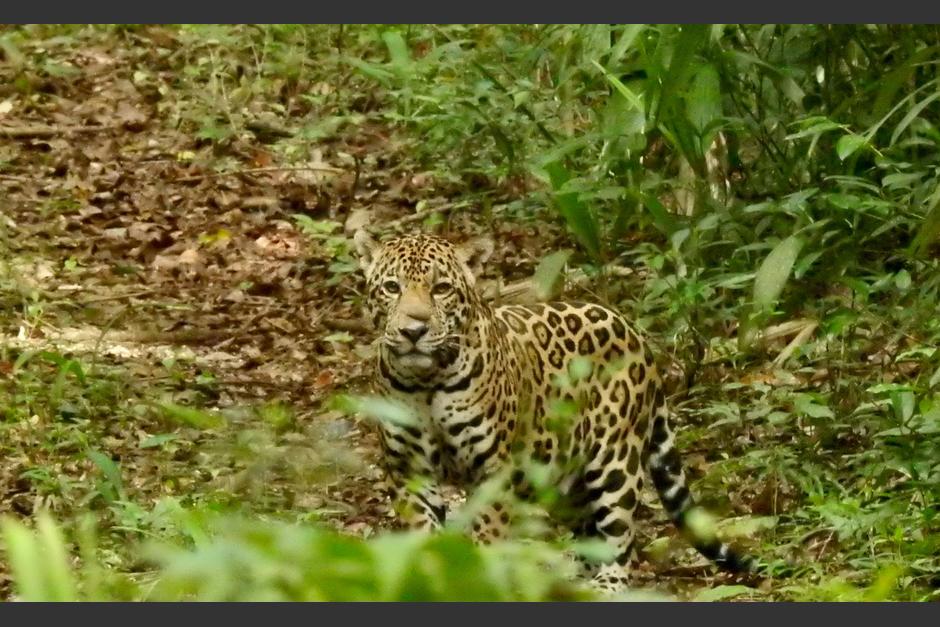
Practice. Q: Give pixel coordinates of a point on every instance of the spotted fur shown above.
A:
(484, 383)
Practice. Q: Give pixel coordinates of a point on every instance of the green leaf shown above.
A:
(192, 417)
(397, 50)
(111, 472)
(898, 77)
(913, 113)
(703, 101)
(371, 70)
(630, 33)
(596, 551)
(662, 219)
(929, 230)
(339, 336)
(901, 180)
(60, 583)
(773, 273)
(903, 404)
(377, 408)
(691, 38)
(720, 593)
(502, 142)
(548, 272)
(315, 227)
(807, 405)
(396, 553)
(624, 91)
(935, 378)
(38, 561)
(848, 144)
(580, 220)
(902, 280)
(157, 440)
(23, 555)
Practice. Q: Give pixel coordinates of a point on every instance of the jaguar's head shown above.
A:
(421, 295)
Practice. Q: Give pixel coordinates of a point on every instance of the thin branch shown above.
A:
(40, 131)
(209, 175)
(420, 215)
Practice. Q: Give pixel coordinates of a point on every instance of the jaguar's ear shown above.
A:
(365, 248)
(475, 252)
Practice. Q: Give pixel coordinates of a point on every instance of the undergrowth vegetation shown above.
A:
(772, 189)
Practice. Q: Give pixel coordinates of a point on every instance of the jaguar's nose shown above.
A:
(414, 331)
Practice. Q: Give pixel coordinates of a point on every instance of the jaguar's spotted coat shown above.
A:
(482, 382)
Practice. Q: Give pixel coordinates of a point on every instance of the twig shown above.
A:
(40, 131)
(101, 299)
(19, 179)
(209, 175)
(339, 324)
(355, 183)
(525, 291)
(420, 215)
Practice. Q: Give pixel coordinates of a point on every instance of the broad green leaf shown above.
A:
(38, 561)
(60, 583)
(580, 368)
(580, 220)
(192, 416)
(371, 70)
(881, 388)
(901, 179)
(157, 440)
(594, 550)
(622, 119)
(807, 405)
(689, 40)
(773, 273)
(703, 102)
(397, 51)
(662, 219)
(548, 272)
(701, 523)
(396, 553)
(848, 144)
(720, 593)
(315, 227)
(377, 408)
(903, 404)
(902, 280)
(23, 555)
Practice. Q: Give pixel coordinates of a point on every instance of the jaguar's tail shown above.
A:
(665, 469)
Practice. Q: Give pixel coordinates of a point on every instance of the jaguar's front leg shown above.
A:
(411, 479)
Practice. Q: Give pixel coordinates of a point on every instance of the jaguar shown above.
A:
(484, 384)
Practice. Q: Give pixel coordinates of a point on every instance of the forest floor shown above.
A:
(180, 308)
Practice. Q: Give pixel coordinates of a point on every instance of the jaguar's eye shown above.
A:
(441, 288)
(391, 287)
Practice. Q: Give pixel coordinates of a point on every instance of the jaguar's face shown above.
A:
(421, 295)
